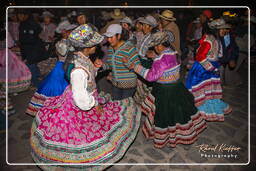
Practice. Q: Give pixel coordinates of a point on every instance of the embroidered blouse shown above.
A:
(210, 49)
(165, 68)
(83, 82)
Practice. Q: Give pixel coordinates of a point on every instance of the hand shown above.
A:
(125, 61)
(232, 64)
(109, 77)
(131, 66)
(61, 58)
(99, 109)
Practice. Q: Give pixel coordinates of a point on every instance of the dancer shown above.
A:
(123, 80)
(55, 83)
(81, 126)
(171, 117)
(203, 80)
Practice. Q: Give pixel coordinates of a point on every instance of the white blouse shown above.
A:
(83, 99)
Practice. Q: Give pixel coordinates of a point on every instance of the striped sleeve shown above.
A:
(107, 64)
(133, 57)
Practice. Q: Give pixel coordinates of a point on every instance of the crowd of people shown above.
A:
(172, 74)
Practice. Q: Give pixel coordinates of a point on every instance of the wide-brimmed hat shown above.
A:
(150, 20)
(167, 15)
(117, 14)
(219, 24)
(126, 20)
(161, 37)
(65, 25)
(47, 14)
(85, 37)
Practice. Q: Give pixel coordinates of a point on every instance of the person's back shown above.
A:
(173, 27)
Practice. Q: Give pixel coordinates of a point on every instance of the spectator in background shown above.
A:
(167, 20)
(229, 76)
(116, 16)
(205, 17)
(48, 28)
(138, 31)
(81, 18)
(32, 47)
(13, 25)
(127, 24)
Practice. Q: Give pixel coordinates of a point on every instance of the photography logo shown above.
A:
(218, 151)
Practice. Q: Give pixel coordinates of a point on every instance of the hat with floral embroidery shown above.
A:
(161, 37)
(84, 37)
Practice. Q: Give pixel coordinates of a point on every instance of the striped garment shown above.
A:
(122, 76)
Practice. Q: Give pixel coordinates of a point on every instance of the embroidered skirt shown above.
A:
(63, 133)
(206, 88)
(171, 117)
(53, 85)
(19, 75)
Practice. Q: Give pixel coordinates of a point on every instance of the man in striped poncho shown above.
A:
(124, 81)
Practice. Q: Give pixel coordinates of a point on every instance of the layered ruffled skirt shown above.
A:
(63, 133)
(19, 75)
(171, 117)
(53, 85)
(206, 88)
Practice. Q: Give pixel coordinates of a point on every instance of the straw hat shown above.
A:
(219, 24)
(117, 14)
(167, 15)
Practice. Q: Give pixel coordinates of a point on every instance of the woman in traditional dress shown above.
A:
(149, 26)
(171, 117)
(19, 76)
(55, 82)
(203, 80)
(80, 126)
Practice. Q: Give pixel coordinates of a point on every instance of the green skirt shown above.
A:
(171, 116)
(174, 104)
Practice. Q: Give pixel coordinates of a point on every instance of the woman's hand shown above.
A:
(109, 77)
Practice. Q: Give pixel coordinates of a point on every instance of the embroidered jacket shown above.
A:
(165, 68)
(209, 50)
